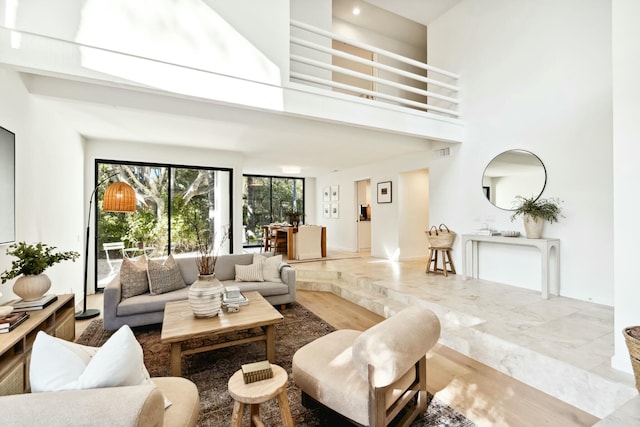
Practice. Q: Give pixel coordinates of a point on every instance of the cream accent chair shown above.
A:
(308, 242)
(373, 376)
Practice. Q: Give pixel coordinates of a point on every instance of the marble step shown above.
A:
(464, 333)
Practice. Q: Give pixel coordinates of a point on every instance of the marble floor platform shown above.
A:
(561, 346)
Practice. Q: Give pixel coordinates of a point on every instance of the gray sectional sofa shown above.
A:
(147, 309)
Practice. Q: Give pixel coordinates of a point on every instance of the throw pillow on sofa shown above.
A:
(270, 267)
(133, 277)
(164, 277)
(57, 364)
(249, 273)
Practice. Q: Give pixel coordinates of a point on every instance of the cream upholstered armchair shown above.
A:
(374, 376)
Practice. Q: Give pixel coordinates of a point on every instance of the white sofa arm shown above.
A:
(122, 406)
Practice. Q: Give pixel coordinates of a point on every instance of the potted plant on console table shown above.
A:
(535, 212)
(32, 261)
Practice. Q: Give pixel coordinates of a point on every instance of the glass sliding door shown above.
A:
(266, 200)
(172, 203)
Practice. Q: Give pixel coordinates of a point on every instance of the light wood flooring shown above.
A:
(482, 394)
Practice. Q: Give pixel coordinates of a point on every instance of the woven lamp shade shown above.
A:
(119, 197)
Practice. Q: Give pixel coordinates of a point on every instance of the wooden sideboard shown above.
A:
(58, 320)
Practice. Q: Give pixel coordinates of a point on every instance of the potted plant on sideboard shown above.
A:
(535, 211)
(32, 261)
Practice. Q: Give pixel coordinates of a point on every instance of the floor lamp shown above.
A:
(118, 197)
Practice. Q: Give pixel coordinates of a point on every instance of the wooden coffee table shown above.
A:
(179, 325)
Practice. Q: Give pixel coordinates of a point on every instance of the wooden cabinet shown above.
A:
(58, 319)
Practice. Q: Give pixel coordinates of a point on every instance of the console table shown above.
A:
(545, 247)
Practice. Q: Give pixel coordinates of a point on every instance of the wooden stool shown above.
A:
(253, 394)
(432, 265)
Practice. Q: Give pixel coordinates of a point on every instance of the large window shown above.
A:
(269, 199)
(172, 203)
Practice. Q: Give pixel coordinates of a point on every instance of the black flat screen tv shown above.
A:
(7, 186)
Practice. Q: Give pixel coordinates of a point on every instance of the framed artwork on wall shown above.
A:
(326, 210)
(335, 210)
(326, 194)
(335, 193)
(384, 192)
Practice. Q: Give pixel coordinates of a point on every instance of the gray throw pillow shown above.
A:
(133, 277)
(164, 277)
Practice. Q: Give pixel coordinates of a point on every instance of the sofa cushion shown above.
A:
(133, 277)
(188, 267)
(266, 289)
(249, 273)
(148, 303)
(60, 365)
(270, 267)
(164, 277)
(226, 265)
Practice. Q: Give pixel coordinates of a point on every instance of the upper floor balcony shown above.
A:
(304, 70)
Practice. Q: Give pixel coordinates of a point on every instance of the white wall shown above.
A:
(626, 175)
(385, 218)
(535, 75)
(413, 205)
(49, 165)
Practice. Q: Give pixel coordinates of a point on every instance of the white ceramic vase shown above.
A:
(31, 287)
(205, 296)
(533, 227)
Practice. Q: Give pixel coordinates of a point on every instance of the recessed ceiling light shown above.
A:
(356, 11)
(291, 169)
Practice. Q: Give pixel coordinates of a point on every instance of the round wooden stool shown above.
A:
(432, 265)
(253, 394)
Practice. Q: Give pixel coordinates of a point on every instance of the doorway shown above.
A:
(363, 198)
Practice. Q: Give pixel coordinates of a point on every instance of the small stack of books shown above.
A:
(39, 304)
(258, 371)
(10, 322)
(232, 295)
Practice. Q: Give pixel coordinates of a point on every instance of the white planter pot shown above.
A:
(205, 296)
(533, 227)
(32, 287)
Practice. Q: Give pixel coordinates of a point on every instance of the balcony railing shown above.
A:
(392, 78)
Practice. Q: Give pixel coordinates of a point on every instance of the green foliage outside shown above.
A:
(267, 200)
(193, 199)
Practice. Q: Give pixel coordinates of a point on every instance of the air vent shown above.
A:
(444, 152)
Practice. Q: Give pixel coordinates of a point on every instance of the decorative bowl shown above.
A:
(511, 233)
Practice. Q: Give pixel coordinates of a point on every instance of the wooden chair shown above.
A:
(374, 376)
(277, 241)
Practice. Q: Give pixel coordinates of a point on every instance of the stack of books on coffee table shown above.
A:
(39, 304)
(232, 295)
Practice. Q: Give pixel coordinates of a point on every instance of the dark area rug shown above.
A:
(210, 372)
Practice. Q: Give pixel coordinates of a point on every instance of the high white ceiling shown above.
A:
(267, 141)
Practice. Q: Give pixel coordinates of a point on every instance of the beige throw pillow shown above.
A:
(133, 277)
(249, 273)
(270, 267)
(164, 277)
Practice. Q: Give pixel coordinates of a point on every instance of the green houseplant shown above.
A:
(535, 212)
(32, 261)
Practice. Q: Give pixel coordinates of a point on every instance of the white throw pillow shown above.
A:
(270, 267)
(56, 364)
(119, 362)
(249, 273)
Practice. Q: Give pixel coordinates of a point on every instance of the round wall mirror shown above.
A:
(513, 173)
